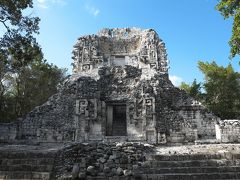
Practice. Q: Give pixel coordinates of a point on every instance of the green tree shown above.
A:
(186, 87)
(231, 8)
(17, 45)
(222, 86)
(34, 85)
(194, 90)
(26, 79)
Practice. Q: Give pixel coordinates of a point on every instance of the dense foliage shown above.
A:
(222, 86)
(194, 90)
(231, 8)
(221, 90)
(26, 79)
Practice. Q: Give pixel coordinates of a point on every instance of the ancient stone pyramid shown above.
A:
(119, 90)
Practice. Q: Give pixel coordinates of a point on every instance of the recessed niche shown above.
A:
(119, 60)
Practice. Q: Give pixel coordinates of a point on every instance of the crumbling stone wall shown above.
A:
(119, 67)
(53, 120)
(228, 131)
(8, 131)
(100, 159)
(78, 111)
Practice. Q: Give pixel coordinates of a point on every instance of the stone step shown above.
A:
(194, 163)
(224, 169)
(187, 176)
(32, 161)
(27, 167)
(26, 155)
(24, 175)
(187, 157)
(199, 176)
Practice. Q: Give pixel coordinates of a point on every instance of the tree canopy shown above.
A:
(221, 90)
(194, 90)
(222, 86)
(231, 8)
(26, 79)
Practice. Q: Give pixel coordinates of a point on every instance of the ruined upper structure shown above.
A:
(118, 47)
(119, 88)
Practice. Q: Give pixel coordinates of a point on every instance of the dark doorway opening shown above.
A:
(116, 121)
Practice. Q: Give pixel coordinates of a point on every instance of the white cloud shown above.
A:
(59, 2)
(44, 4)
(92, 10)
(175, 80)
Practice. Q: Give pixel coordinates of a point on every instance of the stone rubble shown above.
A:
(101, 159)
(134, 160)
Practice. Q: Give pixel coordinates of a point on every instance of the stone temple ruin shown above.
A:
(113, 118)
(120, 89)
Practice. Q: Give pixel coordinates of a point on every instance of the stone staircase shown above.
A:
(190, 167)
(33, 164)
(37, 162)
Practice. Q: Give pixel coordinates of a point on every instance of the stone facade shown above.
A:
(8, 131)
(118, 47)
(120, 89)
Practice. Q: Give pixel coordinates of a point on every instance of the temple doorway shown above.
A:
(116, 120)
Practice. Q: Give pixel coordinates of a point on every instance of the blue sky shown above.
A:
(191, 29)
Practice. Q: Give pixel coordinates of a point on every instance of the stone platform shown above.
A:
(125, 161)
(27, 161)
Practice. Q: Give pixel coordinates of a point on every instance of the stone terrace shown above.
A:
(27, 161)
(125, 160)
